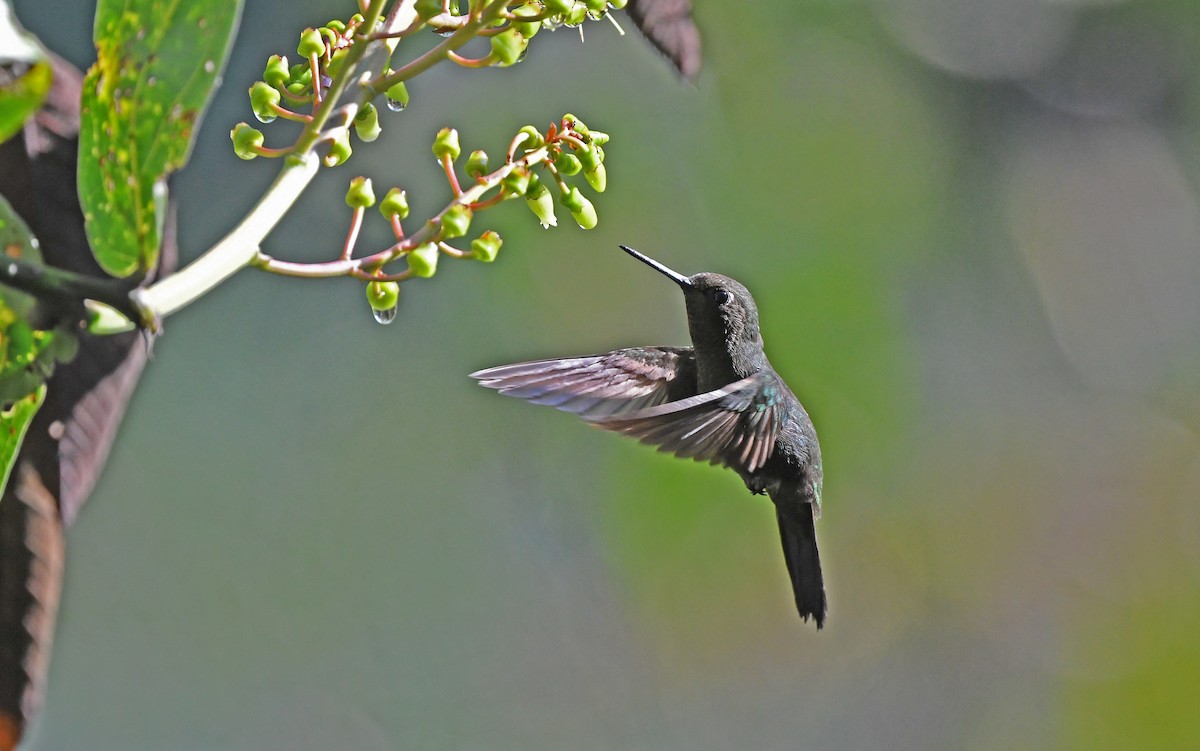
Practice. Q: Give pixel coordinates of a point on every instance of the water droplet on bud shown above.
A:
(395, 105)
(446, 32)
(385, 316)
(521, 56)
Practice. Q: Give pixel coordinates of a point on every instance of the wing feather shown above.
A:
(669, 26)
(599, 386)
(736, 425)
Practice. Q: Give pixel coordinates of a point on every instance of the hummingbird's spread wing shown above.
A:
(735, 425)
(599, 386)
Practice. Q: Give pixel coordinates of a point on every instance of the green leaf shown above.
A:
(27, 355)
(14, 421)
(157, 63)
(24, 74)
(16, 241)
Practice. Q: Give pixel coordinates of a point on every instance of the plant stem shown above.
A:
(66, 288)
(229, 255)
(355, 266)
(439, 53)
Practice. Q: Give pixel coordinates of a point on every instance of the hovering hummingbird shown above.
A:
(718, 401)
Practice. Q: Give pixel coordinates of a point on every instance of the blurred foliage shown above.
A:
(27, 354)
(24, 74)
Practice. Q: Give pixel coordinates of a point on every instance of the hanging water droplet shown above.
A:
(395, 105)
(384, 316)
(445, 32)
(521, 56)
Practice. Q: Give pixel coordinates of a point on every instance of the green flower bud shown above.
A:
(397, 96)
(527, 28)
(576, 15)
(589, 157)
(423, 260)
(477, 164)
(298, 89)
(311, 43)
(486, 246)
(456, 220)
(328, 36)
(263, 98)
(336, 26)
(277, 73)
(618, 4)
(360, 194)
(366, 123)
(507, 47)
(394, 204)
(572, 199)
(383, 296)
(596, 7)
(246, 140)
(558, 7)
(533, 187)
(427, 9)
(533, 138)
(541, 203)
(575, 124)
(599, 137)
(446, 144)
(339, 149)
(357, 19)
(597, 178)
(567, 163)
(585, 215)
(516, 182)
(301, 73)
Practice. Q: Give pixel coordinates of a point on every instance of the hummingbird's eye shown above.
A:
(721, 297)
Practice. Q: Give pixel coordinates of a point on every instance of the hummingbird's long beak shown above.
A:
(674, 276)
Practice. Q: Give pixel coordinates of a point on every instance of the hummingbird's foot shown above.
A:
(756, 485)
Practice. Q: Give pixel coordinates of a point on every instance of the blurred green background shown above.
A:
(973, 232)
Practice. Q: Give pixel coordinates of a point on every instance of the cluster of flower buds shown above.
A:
(574, 12)
(512, 25)
(536, 167)
(286, 88)
(571, 148)
(421, 256)
(566, 149)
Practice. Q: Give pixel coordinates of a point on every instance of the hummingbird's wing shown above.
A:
(735, 425)
(669, 26)
(599, 386)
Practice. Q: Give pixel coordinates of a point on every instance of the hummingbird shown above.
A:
(718, 401)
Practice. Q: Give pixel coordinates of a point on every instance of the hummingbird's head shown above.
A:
(722, 304)
(721, 311)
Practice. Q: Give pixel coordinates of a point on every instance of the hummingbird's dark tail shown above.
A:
(803, 561)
